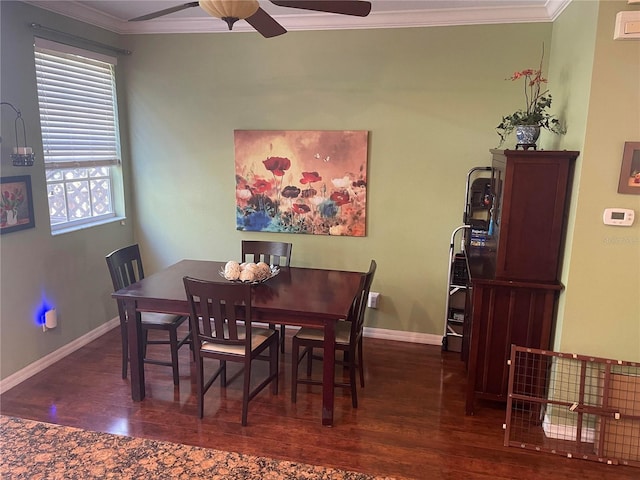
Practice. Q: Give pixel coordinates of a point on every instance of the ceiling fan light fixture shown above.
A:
(230, 10)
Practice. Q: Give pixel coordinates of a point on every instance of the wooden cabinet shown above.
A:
(529, 216)
(515, 276)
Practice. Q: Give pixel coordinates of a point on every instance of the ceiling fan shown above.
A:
(233, 10)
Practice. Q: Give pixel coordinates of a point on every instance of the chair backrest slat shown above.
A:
(217, 310)
(359, 305)
(125, 266)
(272, 253)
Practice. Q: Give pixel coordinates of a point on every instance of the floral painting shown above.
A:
(312, 182)
(16, 207)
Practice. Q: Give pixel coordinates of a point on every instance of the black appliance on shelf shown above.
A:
(474, 231)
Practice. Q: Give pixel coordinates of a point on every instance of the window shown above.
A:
(78, 119)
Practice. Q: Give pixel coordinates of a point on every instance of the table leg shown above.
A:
(136, 362)
(328, 372)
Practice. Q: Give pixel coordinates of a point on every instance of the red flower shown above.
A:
(310, 177)
(277, 165)
(300, 208)
(11, 200)
(340, 198)
(524, 73)
(261, 186)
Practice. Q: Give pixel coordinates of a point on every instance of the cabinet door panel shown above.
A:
(532, 220)
(504, 315)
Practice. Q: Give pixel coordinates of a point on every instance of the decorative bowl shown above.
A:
(275, 270)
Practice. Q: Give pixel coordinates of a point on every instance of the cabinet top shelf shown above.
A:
(572, 154)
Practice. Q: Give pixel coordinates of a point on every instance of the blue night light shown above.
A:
(44, 307)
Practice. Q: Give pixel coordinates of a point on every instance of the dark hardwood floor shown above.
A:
(410, 422)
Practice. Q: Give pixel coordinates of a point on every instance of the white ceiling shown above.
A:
(113, 15)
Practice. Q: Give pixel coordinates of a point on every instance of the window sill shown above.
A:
(84, 226)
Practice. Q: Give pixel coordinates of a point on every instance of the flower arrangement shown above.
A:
(11, 200)
(537, 101)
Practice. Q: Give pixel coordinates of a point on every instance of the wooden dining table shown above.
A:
(307, 297)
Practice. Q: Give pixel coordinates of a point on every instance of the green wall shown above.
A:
(430, 98)
(602, 301)
(68, 270)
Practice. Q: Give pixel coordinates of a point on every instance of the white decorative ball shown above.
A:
(247, 275)
(264, 270)
(232, 270)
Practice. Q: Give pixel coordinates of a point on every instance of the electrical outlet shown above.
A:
(372, 301)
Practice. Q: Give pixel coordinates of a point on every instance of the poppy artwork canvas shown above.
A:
(312, 182)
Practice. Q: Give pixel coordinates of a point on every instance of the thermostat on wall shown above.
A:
(622, 217)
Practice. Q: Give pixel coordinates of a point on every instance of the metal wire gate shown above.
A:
(574, 405)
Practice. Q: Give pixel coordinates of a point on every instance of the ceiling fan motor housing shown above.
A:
(230, 10)
(233, 10)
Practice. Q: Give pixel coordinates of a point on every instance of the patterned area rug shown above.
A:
(34, 450)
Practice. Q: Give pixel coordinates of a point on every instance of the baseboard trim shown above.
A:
(400, 336)
(48, 360)
(567, 432)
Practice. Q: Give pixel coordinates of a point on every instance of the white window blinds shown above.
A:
(78, 115)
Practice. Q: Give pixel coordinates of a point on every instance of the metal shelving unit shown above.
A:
(456, 294)
(478, 202)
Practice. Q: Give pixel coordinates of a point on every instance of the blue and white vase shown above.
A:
(527, 135)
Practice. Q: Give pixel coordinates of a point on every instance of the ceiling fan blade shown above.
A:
(166, 11)
(265, 24)
(345, 7)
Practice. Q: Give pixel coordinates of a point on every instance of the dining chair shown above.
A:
(348, 340)
(221, 329)
(272, 253)
(125, 267)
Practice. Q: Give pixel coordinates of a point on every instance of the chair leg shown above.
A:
(282, 332)
(345, 358)
(273, 366)
(125, 348)
(193, 351)
(145, 336)
(200, 386)
(309, 352)
(295, 351)
(360, 364)
(223, 373)
(352, 383)
(173, 343)
(245, 390)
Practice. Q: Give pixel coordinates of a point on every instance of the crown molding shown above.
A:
(78, 11)
(316, 21)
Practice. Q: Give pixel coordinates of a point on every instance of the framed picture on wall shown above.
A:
(16, 204)
(309, 182)
(630, 170)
